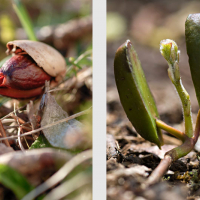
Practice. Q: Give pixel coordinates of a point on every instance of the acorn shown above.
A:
(24, 74)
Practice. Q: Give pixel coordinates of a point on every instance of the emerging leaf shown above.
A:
(169, 50)
(192, 36)
(135, 95)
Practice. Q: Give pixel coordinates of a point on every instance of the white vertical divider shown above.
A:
(99, 99)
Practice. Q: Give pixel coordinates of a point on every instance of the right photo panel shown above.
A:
(153, 98)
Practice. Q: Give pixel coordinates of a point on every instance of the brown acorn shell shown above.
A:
(46, 57)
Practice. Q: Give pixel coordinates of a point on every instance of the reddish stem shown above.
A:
(174, 154)
(161, 169)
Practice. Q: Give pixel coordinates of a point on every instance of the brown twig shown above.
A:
(22, 126)
(49, 125)
(8, 115)
(4, 134)
(17, 119)
(26, 126)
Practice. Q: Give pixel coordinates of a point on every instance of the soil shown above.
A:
(130, 158)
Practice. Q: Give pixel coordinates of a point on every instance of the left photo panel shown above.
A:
(46, 99)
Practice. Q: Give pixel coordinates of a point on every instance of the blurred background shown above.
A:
(146, 23)
(51, 23)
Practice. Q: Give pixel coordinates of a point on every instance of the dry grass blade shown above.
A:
(5, 121)
(69, 186)
(60, 175)
(19, 140)
(47, 126)
(18, 120)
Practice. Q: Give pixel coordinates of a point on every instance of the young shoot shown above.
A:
(170, 52)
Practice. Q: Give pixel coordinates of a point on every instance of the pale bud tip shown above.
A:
(169, 50)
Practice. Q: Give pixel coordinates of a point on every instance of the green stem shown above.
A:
(185, 100)
(178, 134)
(174, 75)
(24, 19)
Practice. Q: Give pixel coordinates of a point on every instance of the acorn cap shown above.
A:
(52, 62)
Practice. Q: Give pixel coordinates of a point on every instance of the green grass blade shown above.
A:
(24, 19)
(13, 180)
